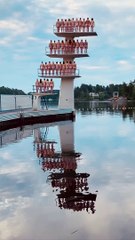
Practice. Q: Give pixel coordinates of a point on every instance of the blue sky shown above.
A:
(26, 27)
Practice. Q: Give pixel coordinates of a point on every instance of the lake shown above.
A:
(70, 180)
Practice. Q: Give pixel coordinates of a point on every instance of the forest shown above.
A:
(105, 92)
(12, 91)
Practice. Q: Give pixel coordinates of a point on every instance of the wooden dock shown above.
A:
(13, 119)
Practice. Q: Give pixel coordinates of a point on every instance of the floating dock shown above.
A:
(13, 119)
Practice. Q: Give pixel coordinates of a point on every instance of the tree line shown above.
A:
(11, 91)
(104, 93)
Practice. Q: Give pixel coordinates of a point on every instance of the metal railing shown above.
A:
(41, 89)
(58, 73)
(65, 52)
(73, 29)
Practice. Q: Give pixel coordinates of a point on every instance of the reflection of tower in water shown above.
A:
(71, 187)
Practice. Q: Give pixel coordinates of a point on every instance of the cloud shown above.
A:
(13, 31)
(114, 4)
(6, 155)
(98, 67)
(124, 65)
(17, 27)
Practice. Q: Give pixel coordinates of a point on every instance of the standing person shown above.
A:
(69, 45)
(80, 24)
(51, 46)
(81, 46)
(53, 68)
(76, 25)
(73, 24)
(63, 68)
(65, 25)
(70, 25)
(42, 68)
(58, 24)
(47, 85)
(58, 46)
(87, 24)
(77, 46)
(85, 46)
(74, 67)
(66, 46)
(83, 24)
(54, 47)
(51, 85)
(62, 46)
(70, 68)
(49, 67)
(62, 25)
(67, 68)
(57, 68)
(60, 68)
(41, 85)
(73, 46)
(46, 68)
(92, 24)
(37, 85)
(44, 85)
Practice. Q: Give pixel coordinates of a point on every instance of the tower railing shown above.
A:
(59, 74)
(72, 30)
(68, 52)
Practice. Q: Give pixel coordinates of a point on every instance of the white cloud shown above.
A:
(114, 4)
(124, 65)
(15, 26)
(98, 67)
(6, 155)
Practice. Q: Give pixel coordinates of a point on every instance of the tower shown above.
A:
(71, 187)
(68, 49)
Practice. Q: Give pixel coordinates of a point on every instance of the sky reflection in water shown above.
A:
(29, 206)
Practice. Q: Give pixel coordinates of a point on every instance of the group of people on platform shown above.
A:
(56, 163)
(75, 25)
(58, 68)
(77, 205)
(68, 46)
(45, 149)
(79, 183)
(44, 85)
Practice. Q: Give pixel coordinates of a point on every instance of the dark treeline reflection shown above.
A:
(126, 109)
(71, 187)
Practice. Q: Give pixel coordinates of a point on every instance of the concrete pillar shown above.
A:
(66, 97)
(36, 102)
(66, 132)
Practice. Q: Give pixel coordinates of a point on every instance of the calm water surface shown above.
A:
(70, 180)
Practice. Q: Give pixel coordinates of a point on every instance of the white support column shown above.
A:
(66, 132)
(36, 102)
(66, 98)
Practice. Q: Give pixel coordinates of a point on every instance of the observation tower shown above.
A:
(71, 46)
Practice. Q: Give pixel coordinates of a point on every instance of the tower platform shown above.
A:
(58, 76)
(42, 94)
(75, 34)
(67, 55)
